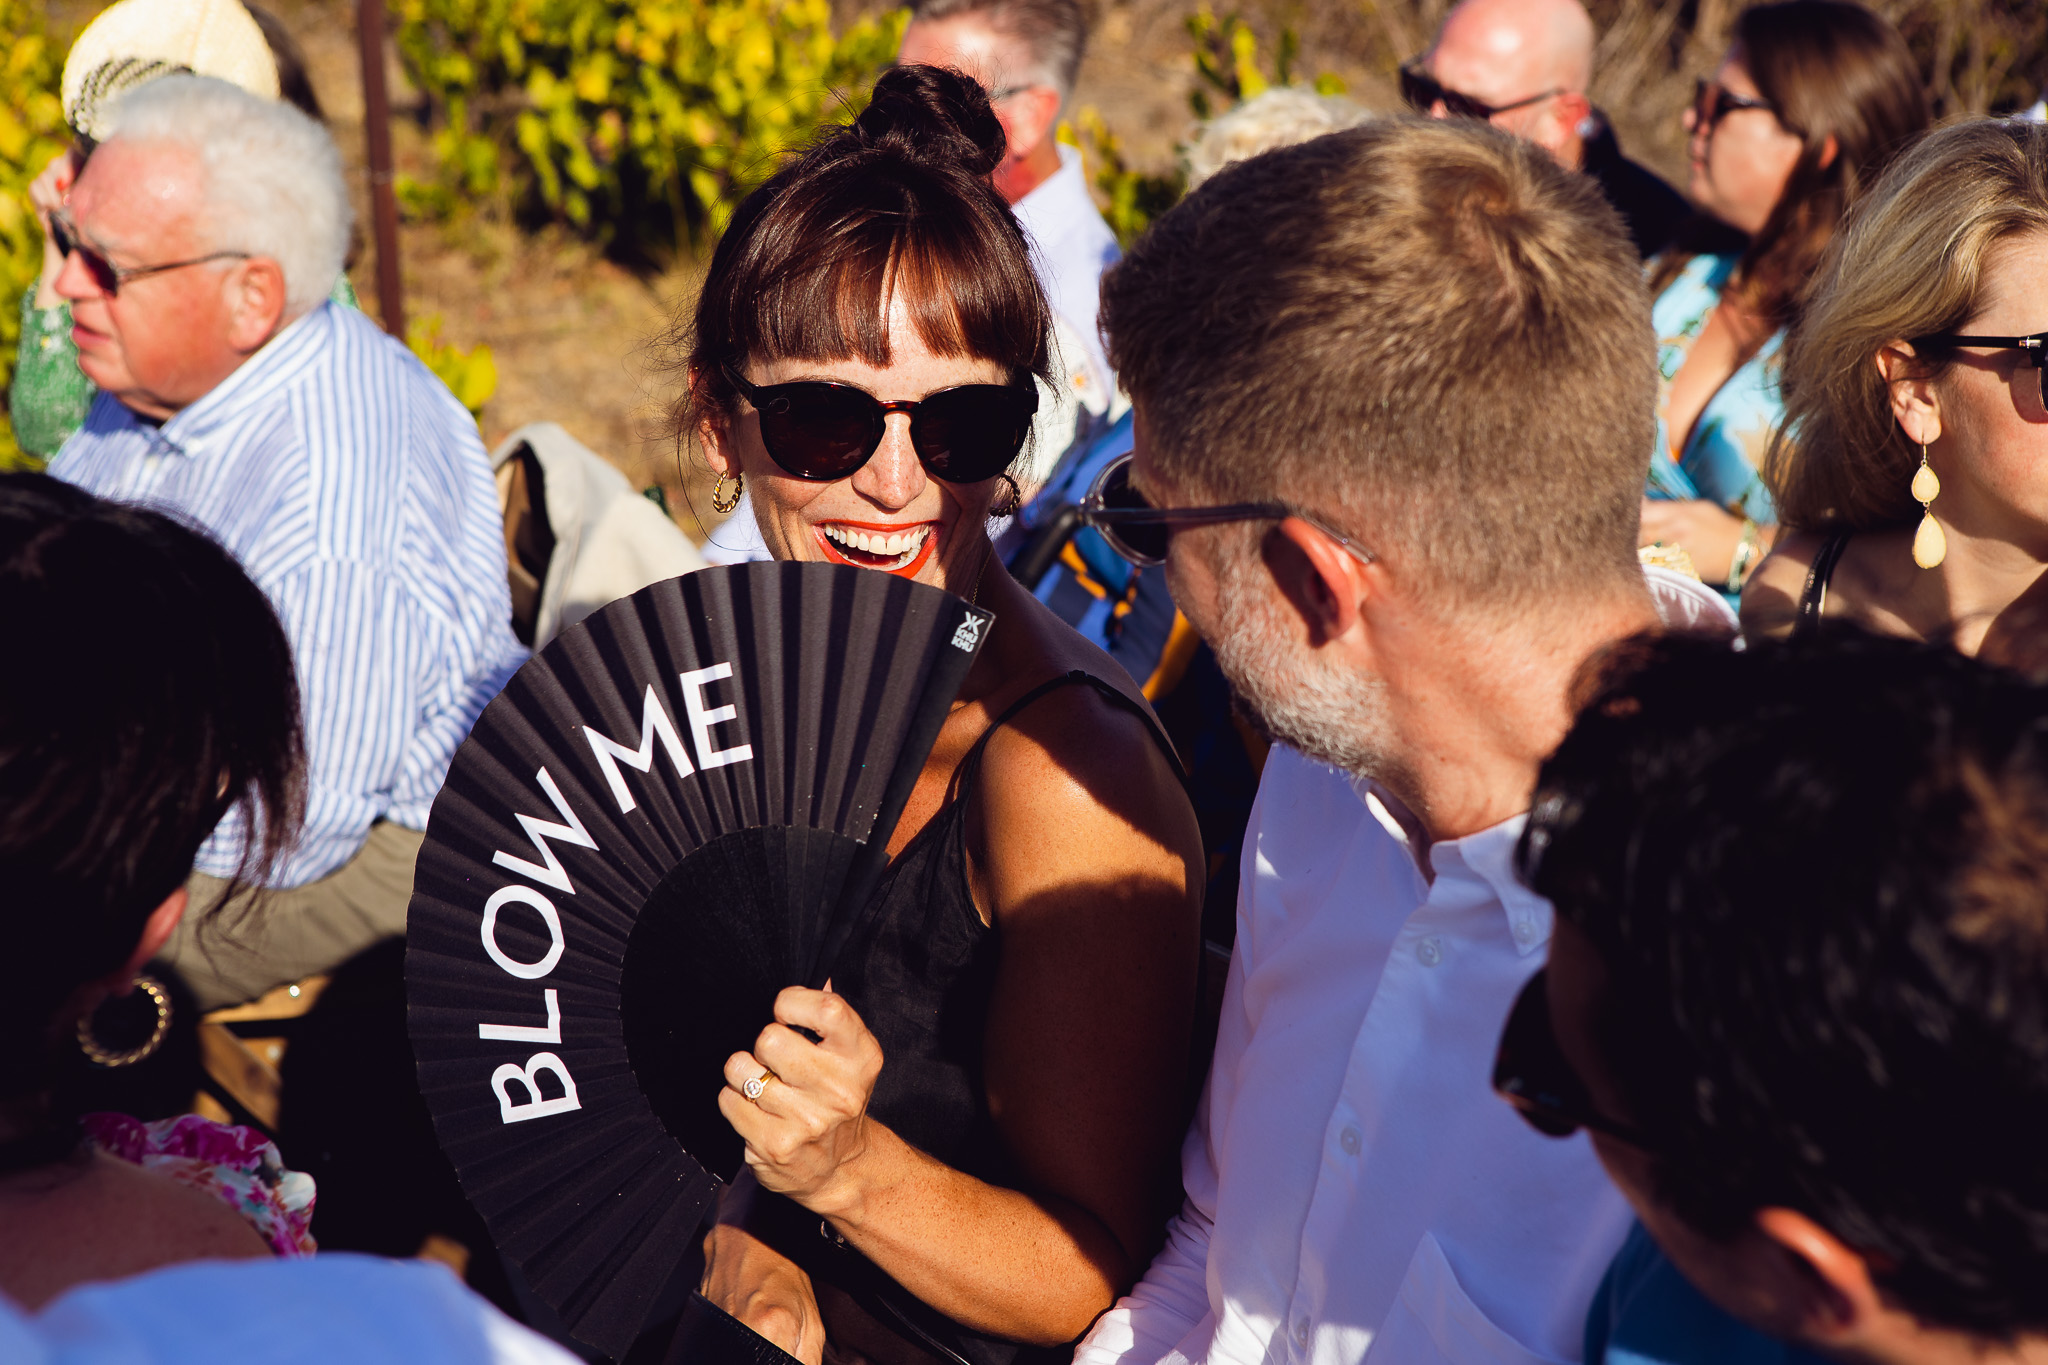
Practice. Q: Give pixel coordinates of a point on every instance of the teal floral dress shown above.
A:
(1724, 453)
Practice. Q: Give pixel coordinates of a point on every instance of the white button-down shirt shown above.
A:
(1355, 1190)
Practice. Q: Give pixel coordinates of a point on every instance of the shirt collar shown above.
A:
(273, 363)
(1057, 200)
(1487, 856)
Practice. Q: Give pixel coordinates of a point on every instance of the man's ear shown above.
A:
(1915, 404)
(1837, 1302)
(1321, 579)
(256, 303)
(1574, 109)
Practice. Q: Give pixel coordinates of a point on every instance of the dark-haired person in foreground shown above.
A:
(1799, 993)
(988, 1125)
(162, 698)
(1409, 370)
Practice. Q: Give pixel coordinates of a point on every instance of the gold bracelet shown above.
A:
(1746, 553)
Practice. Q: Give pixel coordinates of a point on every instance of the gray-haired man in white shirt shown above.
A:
(1407, 371)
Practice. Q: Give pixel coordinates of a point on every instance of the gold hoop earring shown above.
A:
(1016, 499)
(1930, 542)
(99, 1054)
(722, 504)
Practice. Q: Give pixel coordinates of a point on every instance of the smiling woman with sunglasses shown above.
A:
(1812, 99)
(1913, 474)
(986, 1113)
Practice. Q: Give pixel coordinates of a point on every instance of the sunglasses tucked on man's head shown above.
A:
(819, 430)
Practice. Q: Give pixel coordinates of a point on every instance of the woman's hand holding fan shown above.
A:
(807, 1133)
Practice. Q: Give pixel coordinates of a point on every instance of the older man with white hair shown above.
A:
(201, 241)
(1525, 67)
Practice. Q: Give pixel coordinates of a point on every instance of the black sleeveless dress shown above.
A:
(920, 974)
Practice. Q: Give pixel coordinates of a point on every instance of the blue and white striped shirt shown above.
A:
(354, 489)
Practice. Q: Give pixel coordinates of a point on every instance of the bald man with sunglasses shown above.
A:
(1525, 67)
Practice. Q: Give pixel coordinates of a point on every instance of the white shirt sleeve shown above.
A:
(1167, 1316)
(1154, 1322)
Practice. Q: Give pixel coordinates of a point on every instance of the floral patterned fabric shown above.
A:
(238, 1166)
(50, 395)
(1722, 456)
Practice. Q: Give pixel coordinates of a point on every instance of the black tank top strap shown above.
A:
(1813, 601)
(1109, 691)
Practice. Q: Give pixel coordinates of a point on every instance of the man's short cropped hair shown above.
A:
(1054, 34)
(273, 183)
(1428, 330)
(1817, 875)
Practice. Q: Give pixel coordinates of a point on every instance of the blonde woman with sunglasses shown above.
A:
(1912, 476)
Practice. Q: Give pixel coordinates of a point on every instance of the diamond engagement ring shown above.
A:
(753, 1088)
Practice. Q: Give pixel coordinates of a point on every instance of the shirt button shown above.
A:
(1301, 1332)
(1525, 932)
(1430, 951)
(1348, 1140)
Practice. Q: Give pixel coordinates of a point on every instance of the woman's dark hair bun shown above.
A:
(928, 113)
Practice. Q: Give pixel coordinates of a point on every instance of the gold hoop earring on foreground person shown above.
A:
(99, 1054)
(722, 504)
(1930, 542)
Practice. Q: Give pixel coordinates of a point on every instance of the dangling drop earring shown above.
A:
(1930, 542)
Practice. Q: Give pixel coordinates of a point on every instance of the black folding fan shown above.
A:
(677, 808)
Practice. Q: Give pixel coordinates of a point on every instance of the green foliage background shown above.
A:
(1228, 70)
(637, 119)
(31, 132)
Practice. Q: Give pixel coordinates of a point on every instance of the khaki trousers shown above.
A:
(264, 938)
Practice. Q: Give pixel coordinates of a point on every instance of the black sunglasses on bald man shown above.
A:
(1141, 532)
(822, 431)
(1423, 92)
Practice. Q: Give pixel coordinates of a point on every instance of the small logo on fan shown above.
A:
(967, 634)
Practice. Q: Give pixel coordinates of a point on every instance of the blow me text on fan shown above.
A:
(655, 722)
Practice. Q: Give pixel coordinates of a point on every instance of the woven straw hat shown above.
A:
(135, 41)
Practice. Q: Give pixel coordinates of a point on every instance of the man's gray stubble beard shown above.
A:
(1334, 715)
